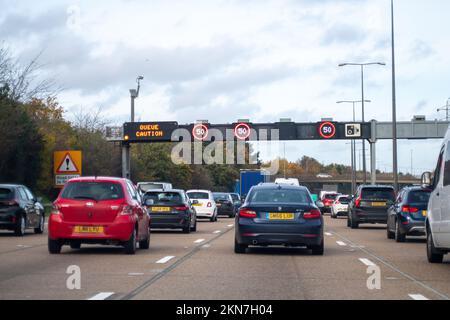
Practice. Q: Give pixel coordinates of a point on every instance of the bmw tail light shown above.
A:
(246, 213)
(126, 211)
(358, 202)
(181, 208)
(312, 214)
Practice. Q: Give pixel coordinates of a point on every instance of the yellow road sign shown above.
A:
(66, 165)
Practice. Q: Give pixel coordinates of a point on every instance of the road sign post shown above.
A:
(66, 165)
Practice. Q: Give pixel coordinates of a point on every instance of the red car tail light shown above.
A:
(246, 213)
(126, 210)
(409, 209)
(55, 210)
(358, 202)
(181, 208)
(312, 214)
(209, 205)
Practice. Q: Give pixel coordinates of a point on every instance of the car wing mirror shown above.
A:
(320, 204)
(426, 180)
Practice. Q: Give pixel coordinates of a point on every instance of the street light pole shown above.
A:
(362, 65)
(446, 108)
(394, 105)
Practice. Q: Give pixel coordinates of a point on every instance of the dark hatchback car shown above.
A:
(236, 200)
(225, 204)
(171, 209)
(275, 214)
(408, 214)
(20, 210)
(370, 205)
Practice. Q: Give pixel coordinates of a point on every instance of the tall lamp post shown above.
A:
(446, 108)
(353, 142)
(126, 158)
(362, 65)
(394, 105)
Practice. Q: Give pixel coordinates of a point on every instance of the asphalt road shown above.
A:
(202, 265)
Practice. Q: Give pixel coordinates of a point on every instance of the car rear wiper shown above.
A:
(85, 197)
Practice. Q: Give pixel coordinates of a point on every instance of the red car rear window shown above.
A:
(98, 191)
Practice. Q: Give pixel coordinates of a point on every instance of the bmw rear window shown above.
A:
(6, 194)
(378, 194)
(279, 196)
(98, 191)
(419, 197)
(198, 195)
(164, 198)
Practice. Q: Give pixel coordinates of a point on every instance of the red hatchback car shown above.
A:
(98, 210)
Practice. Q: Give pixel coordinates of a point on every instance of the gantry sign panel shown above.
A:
(284, 131)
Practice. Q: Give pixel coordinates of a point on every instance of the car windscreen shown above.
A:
(221, 197)
(344, 200)
(378, 194)
(150, 186)
(198, 195)
(279, 196)
(419, 197)
(98, 191)
(164, 198)
(235, 197)
(330, 196)
(6, 194)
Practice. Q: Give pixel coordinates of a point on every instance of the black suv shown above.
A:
(20, 210)
(370, 205)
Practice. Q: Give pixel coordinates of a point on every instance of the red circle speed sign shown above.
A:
(242, 131)
(200, 132)
(327, 130)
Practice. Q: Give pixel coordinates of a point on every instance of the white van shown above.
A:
(438, 216)
(288, 181)
(143, 187)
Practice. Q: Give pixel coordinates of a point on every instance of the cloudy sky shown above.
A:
(227, 59)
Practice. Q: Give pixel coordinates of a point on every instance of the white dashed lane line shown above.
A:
(217, 231)
(230, 225)
(199, 241)
(367, 262)
(165, 259)
(340, 243)
(328, 234)
(418, 297)
(102, 296)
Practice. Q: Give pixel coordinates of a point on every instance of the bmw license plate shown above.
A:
(280, 216)
(161, 209)
(378, 204)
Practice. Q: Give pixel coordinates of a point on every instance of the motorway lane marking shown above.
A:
(101, 296)
(135, 274)
(199, 241)
(205, 246)
(418, 297)
(217, 231)
(393, 267)
(230, 225)
(340, 243)
(328, 234)
(367, 262)
(165, 259)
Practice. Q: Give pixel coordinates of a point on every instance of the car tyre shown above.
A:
(433, 255)
(389, 233)
(130, 245)
(54, 246)
(187, 229)
(20, 228)
(40, 228)
(353, 223)
(194, 227)
(145, 244)
(318, 250)
(399, 236)
(239, 248)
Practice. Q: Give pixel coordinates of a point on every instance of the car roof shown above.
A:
(165, 190)
(197, 190)
(376, 186)
(9, 185)
(100, 179)
(279, 186)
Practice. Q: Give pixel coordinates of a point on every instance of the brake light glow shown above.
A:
(55, 210)
(312, 214)
(246, 213)
(358, 202)
(409, 209)
(209, 205)
(126, 211)
(181, 208)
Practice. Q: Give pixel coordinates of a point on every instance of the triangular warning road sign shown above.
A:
(67, 165)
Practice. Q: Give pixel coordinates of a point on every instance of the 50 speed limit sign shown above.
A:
(242, 131)
(327, 130)
(200, 132)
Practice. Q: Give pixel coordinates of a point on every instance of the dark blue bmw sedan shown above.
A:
(275, 214)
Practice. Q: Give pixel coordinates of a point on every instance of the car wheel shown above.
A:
(348, 220)
(433, 255)
(20, 228)
(187, 229)
(389, 233)
(353, 223)
(40, 228)
(130, 245)
(318, 250)
(75, 245)
(399, 236)
(212, 219)
(145, 244)
(239, 248)
(194, 227)
(54, 246)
